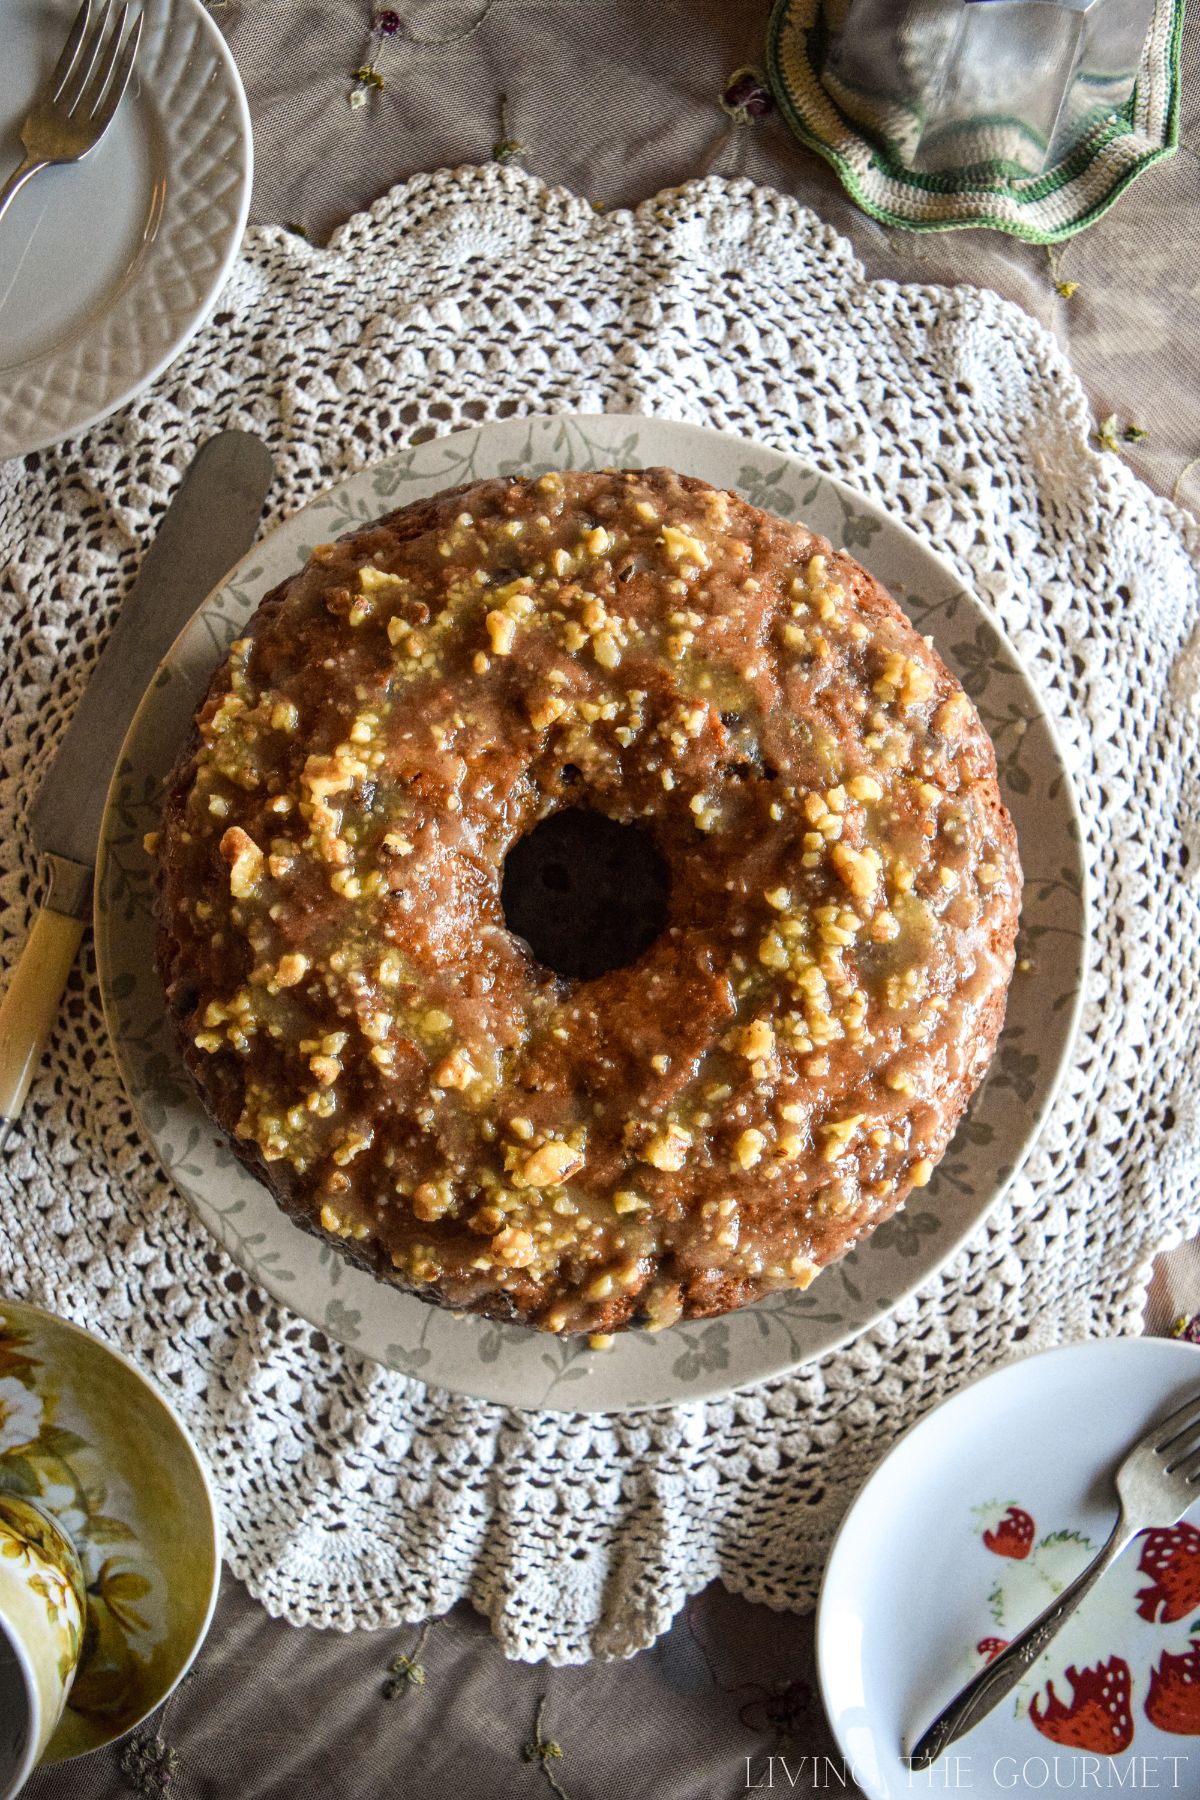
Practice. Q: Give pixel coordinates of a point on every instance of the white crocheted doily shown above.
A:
(352, 1495)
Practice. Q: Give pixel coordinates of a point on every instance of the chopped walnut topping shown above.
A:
(668, 1149)
(837, 1135)
(379, 582)
(606, 650)
(502, 630)
(456, 1071)
(864, 787)
(551, 1163)
(543, 712)
(325, 775)
(953, 716)
(859, 869)
(747, 1152)
(433, 1200)
(514, 1247)
(757, 1040)
(246, 862)
(682, 546)
(904, 680)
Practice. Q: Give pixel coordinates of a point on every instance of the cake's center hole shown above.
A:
(585, 892)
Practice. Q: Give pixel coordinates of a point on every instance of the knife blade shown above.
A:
(209, 525)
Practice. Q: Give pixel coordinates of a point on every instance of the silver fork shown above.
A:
(75, 108)
(1156, 1484)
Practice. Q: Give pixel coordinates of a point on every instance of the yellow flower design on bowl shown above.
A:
(84, 1436)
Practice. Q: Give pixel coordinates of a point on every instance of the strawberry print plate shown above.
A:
(967, 1529)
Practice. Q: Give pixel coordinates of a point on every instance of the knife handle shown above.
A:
(29, 1007)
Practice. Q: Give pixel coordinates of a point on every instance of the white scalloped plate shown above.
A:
(690, 1361)
(108, 266)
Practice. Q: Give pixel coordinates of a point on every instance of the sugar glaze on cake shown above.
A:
(769, 1078)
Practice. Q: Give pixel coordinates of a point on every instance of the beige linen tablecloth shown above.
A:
(615, 102)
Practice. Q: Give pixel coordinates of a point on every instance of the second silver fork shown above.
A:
(76, 106)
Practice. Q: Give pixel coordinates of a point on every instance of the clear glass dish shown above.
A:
(1002, 86)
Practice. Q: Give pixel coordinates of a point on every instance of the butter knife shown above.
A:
(210, 523)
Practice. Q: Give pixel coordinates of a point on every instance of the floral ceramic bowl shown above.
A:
(43, 1602)
(88, 1438)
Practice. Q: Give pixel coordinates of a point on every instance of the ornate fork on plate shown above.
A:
(1156, 1484)
(75, 108)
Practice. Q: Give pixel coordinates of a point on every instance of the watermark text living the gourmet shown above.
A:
(1064, 1773)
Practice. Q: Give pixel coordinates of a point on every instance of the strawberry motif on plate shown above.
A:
(1173, 1703)
(1172, 1560)
(1013, 1536)
(991, 1647)
(1100, 1715)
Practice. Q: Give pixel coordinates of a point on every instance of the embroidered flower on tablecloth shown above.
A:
(746, 96)
(385, 23)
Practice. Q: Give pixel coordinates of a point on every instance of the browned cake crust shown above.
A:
(715, 1121)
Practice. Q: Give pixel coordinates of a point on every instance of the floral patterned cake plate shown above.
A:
(690, 1361)
(967, 1529)
(84, 1432)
